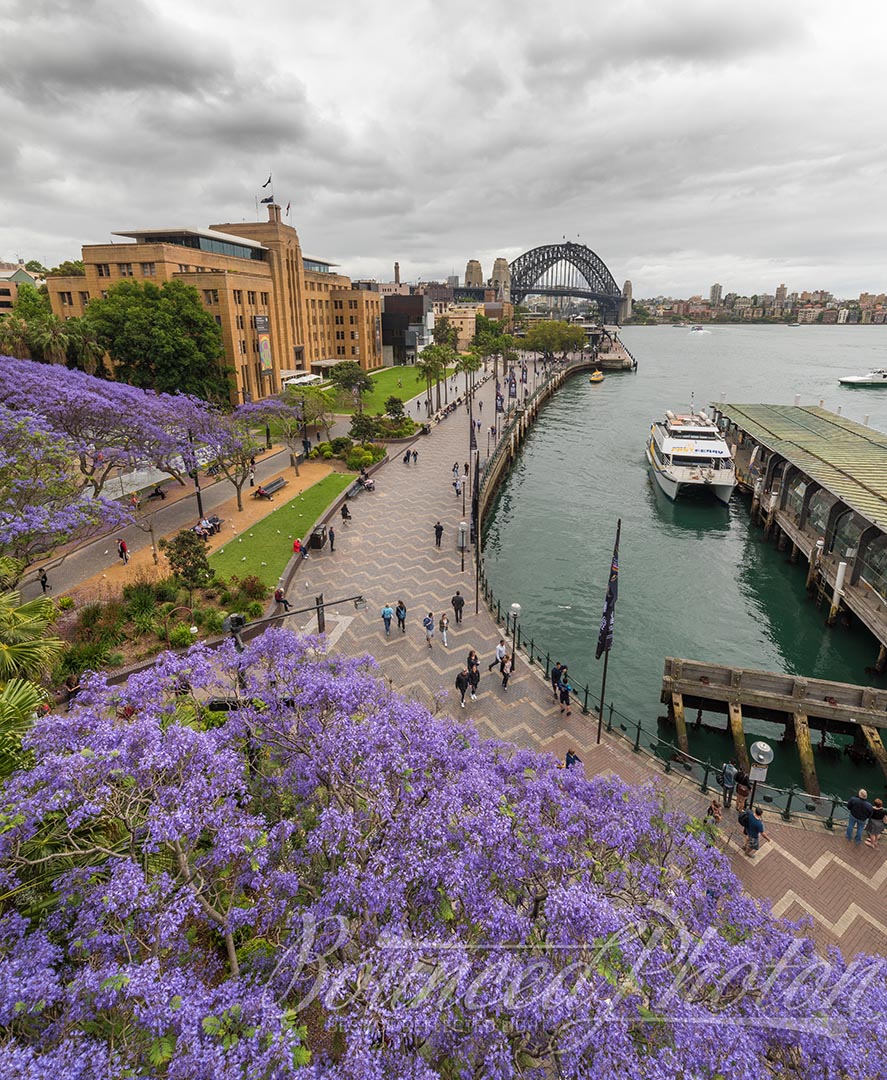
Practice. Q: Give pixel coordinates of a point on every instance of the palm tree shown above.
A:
(51, 335)
(19, 701)
(14, 337)
(428, 367)
(467, 365)
(87, 350)
(25, 650)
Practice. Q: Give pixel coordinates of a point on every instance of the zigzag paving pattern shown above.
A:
(388, 553)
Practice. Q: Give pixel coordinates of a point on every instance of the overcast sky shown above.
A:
(685, 142)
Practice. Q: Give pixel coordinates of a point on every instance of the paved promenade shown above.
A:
(388, 553)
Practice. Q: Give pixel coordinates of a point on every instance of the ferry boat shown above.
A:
(596, 377)
(689, 451)
(874, 378)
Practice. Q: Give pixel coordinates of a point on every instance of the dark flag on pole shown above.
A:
(268, 181)
(269, 199)
(605, 638)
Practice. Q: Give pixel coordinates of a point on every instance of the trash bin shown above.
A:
(318, 536)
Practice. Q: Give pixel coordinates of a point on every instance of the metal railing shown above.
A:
(790, 802)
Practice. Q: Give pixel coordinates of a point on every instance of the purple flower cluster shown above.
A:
(240, 861)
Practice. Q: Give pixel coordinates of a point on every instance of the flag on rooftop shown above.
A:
(605, 638)
(268, 181)
(287, 209)
(270, 198)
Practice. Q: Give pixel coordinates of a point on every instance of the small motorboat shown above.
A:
(596, 377)
(697, 329)
(874, 378)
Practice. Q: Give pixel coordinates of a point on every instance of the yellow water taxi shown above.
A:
(596, 377)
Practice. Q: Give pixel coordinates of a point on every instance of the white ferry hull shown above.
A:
(672, 486)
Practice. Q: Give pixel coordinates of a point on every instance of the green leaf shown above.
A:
(162, 1050)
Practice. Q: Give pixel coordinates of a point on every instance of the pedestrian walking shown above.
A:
(123, 551)
(455, 469)
(466, 472)
(572, 759)
(564, 692)
(428, 623)
(406, 458)
(457, 484)
(401, 613)
(332, 539)
(44, 581)
(506, 668)
(458, 602)
(875, 824)
(438, 533)
(72, 689)
(480, 406)
(556, 679)
(501, 650)
(281, 599)
(443, 626)
(462, 685)
(860, 810)
(415, 456)
(252, 476)
(387, 616)
(754, 830)
(743, 787)
(473, 665)
(727, 779)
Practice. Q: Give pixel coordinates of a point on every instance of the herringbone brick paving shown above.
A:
(388, 553)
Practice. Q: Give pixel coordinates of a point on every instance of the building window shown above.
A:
(66, 299)
(183, 269)
(354, 335)
(354, 350)
(352, 304)
(104, 294)
(339, 320)
(337, 304)
(149, 269)
(264, 298)
(211, 296)
(242, 347)
(103, 269)
(218, 319)
(340, 335)
(251, 297)
(125, 269)
(351, 320)
(84, 299)
(238, 296)
(239, 322)
(340, 350)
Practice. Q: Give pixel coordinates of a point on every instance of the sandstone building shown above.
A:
(279, 311)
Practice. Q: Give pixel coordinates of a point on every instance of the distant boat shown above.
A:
(596, 377)
(878, 377)
(697, 329)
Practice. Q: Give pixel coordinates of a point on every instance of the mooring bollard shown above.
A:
(609, 717)
(830, 824)
(637, 740)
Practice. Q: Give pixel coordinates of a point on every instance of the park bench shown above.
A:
(269, 489)
(355, 489)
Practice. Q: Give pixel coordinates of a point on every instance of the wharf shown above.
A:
(798, 703)
(819, 484)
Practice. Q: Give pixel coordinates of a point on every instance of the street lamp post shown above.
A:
(515, 616)
(761, 754)
(463, 531)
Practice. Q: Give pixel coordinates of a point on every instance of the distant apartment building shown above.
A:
(714, 295)
(279, 312)
(780, 296)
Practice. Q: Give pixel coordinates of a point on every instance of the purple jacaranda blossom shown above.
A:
(236, 858)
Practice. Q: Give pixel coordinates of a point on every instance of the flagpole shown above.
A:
(600, 718)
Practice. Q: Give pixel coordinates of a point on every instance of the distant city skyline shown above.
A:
(684, 143)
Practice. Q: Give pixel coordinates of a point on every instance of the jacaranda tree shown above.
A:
(266, 864)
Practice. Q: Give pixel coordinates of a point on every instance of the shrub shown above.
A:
(101, 623)
(144, 623)
(341, 443)
(65, 603)
(312, 455)
(255, 609)
(84, 656)
(328, 455)
(325, 448)
(140, 598)
(180, 636)
(212, 621)
(166, 590)
(115, 659)
(225, 597)
(251, 586)
(358, 459)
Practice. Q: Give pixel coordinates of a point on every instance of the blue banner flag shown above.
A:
(269, 199)
(605, 638)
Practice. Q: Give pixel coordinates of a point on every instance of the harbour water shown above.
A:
(696, 578)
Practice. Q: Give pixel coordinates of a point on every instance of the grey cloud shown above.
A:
(53, 50)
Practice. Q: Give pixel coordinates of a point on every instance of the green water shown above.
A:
(696, 578)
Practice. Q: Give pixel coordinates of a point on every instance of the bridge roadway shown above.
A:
(388, 553)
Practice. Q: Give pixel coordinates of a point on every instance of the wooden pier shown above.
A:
(798, 703)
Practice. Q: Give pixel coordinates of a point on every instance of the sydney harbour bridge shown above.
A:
(565, 270)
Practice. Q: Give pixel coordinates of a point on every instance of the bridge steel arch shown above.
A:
(529, 269)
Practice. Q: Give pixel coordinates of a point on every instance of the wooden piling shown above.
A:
(875, 745)
(680, 723)
(881, 662)
(805, 753)
(740, 750)
(793, 558)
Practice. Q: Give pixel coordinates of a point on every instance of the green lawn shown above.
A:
(386, 386)
(266, 548)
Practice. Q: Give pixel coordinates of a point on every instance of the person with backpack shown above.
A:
(727, 779)
(281, 599)
(473, 665)
(387, 615)
(428, 623)
(401, 614)
(753, 827)
(123, 550)
(564, 689)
